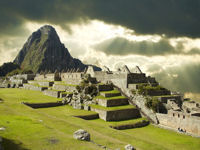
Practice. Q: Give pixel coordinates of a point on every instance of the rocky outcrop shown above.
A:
(129, 147)
(82, 135)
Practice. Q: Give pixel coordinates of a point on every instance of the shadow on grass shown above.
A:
(12, 145)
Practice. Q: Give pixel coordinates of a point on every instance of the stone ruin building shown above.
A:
(116, 88)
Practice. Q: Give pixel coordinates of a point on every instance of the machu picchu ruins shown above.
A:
(114, 96)
(51, 92)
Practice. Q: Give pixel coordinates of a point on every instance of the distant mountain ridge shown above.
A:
(43, 51)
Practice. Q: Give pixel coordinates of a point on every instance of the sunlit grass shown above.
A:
(34, 128)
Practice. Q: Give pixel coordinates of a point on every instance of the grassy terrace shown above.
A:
(20, 95)
(66, 92)
(110, 98)
(112, 108)
(52, 128)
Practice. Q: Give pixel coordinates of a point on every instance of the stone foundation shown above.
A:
(117, 115)
(113, 102)
(33, 87)
(45, 83)
(52, 93)
(64, 87)
(110, 94)
(105, 87)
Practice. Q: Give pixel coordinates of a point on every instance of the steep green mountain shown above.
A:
(43, 51)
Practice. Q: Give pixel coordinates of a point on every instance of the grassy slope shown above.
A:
(24, 128)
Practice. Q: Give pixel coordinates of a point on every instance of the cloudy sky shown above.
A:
(161, 36)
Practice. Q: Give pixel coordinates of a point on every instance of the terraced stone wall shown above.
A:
(64, 88)
(117, 115)
(34, 88)
(52, 93)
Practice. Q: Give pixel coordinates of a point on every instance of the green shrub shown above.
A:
(143, 88)
(153, 103)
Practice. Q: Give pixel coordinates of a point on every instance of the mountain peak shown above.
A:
(43, 51)
(47, 29)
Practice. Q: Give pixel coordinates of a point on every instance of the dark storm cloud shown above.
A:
(170, 17)
(184, 78)
(122, 46)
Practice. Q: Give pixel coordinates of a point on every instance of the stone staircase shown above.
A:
(113, 106)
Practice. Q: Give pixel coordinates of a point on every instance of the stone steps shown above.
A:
(116, 101)
(107, 94)
(104, 87)
(52, 93)
(116, 115)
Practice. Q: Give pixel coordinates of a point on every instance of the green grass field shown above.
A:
(52, 128)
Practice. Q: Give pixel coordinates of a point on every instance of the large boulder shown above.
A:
(82, 135)
(129, 147)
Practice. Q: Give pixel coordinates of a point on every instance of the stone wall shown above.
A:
(179, 120)
(52, 93)
(64, 88)
(25, 76)
(177, 98)
(105, 87)
(136, 78)
(158, 92)
(133, 86)
(43, 83)
(117, 115)
(190, 104)
(72, 78)
(18, 81)
(105, 77)
(39, 77)
(140, 100)
(114, 102)
(47, 77)
(34, 88)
